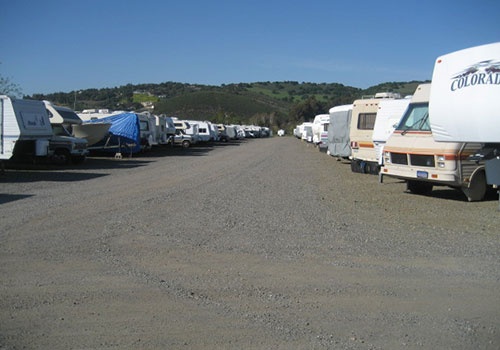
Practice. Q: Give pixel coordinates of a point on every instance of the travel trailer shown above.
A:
(412, 154)
(161, 129)
(339, 143)
(464, 106)
(320, 130)
(364, 114)
(25, 128)
(307, 134)
(28, 133)
(388, 116)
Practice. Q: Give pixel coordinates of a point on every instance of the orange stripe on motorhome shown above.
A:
(366, 144)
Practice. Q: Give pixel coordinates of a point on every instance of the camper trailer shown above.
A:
(320, 130)
(307, 134)
(25, 127)
(412, 154)
(364, 114)
(464, 106)
(339, 143)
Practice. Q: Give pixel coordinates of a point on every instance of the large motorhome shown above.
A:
(464, 105)
(339, 143)
(412, 154)
(25, 128)
(364, 114)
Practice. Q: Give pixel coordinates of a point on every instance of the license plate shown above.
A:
(422, 174)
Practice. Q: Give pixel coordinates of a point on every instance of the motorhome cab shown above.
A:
(412, 154)
(364, 114)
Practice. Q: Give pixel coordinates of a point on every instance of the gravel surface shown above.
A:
(259, 244)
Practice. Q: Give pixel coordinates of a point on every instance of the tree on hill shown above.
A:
(306, 110)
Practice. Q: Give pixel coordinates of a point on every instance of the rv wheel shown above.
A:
(419, 187)
(186, 144)
(61, 156)
(477, 187)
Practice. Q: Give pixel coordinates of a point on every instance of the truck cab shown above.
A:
(64, 148)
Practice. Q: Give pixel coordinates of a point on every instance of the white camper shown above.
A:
(364, 114)
(388, 116)
(320, 130)
(412, 154)
(307, 134)
(339, 143)
(464, 105)
(25, 128)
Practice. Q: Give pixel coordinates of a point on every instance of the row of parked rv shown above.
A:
(41, 129)
(391, 136)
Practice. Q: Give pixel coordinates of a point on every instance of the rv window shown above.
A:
(144, 126)
(416, 118)
(68, 115)
(366, 121)
(202, 130)
(325, 127)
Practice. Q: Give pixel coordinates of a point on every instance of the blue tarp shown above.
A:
(124, 133)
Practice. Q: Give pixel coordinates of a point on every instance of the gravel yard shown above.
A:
(258, 244)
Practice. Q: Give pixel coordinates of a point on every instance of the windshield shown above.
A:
(416, 118)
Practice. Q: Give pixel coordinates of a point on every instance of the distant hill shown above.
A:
(273, 104)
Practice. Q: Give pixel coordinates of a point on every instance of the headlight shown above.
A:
(387, 157)
(440, 161)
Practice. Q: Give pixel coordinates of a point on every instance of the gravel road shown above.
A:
(259, 244)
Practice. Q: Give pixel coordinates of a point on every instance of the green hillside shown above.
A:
(273, 104)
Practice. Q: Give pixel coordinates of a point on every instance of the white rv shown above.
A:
(364, 114)
(320, 130)
(339, 143)
(412, 154)
(388, 116)
(307, 134)
(464, 105)
(25, 128)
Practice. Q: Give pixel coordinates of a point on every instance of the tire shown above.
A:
(477, 187)
(419, 187)
(61, 156)
(185, 144)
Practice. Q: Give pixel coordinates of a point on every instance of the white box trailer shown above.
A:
(412, 154)
(388, 116)
(25, 128)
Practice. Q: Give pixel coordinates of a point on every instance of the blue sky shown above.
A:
(61, 46)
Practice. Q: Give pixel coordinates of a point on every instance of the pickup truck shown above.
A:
(182, 139)
(64, 148)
